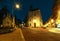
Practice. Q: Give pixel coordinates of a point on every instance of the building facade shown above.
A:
(34, 18)
(54, 20)
(56, 11)
(7, 21)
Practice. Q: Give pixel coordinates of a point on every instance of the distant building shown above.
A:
(34, 18)
(7, 21)
(55, 15)
(3, 13)
(6, 18)
(50, 23)
(56, 10)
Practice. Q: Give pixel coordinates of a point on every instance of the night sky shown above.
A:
(45, 7)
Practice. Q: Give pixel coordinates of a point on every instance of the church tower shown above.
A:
(34, 18)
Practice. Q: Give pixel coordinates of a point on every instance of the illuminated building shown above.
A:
(56, 11)
(55, 15)
(34, 18)
(7, 21)
(50, 23)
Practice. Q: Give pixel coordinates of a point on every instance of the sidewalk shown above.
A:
(14, 36)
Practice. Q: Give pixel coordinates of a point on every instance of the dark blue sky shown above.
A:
(45, 7)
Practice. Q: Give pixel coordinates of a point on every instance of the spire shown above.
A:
(33, 9)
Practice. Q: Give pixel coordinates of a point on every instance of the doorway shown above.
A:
(34, 25)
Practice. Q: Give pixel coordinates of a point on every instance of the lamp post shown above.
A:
(17, 6)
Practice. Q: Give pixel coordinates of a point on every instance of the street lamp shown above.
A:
(17, 6)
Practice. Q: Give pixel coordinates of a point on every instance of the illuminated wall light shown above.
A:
(52, 20)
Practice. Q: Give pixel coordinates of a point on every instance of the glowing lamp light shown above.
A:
(17, 6)
(52, 20)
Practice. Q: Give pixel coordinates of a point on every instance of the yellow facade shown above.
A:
(35, 19)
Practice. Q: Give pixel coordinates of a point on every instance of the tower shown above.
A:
(34, 18)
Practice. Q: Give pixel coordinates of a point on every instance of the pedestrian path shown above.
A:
(14, 36)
